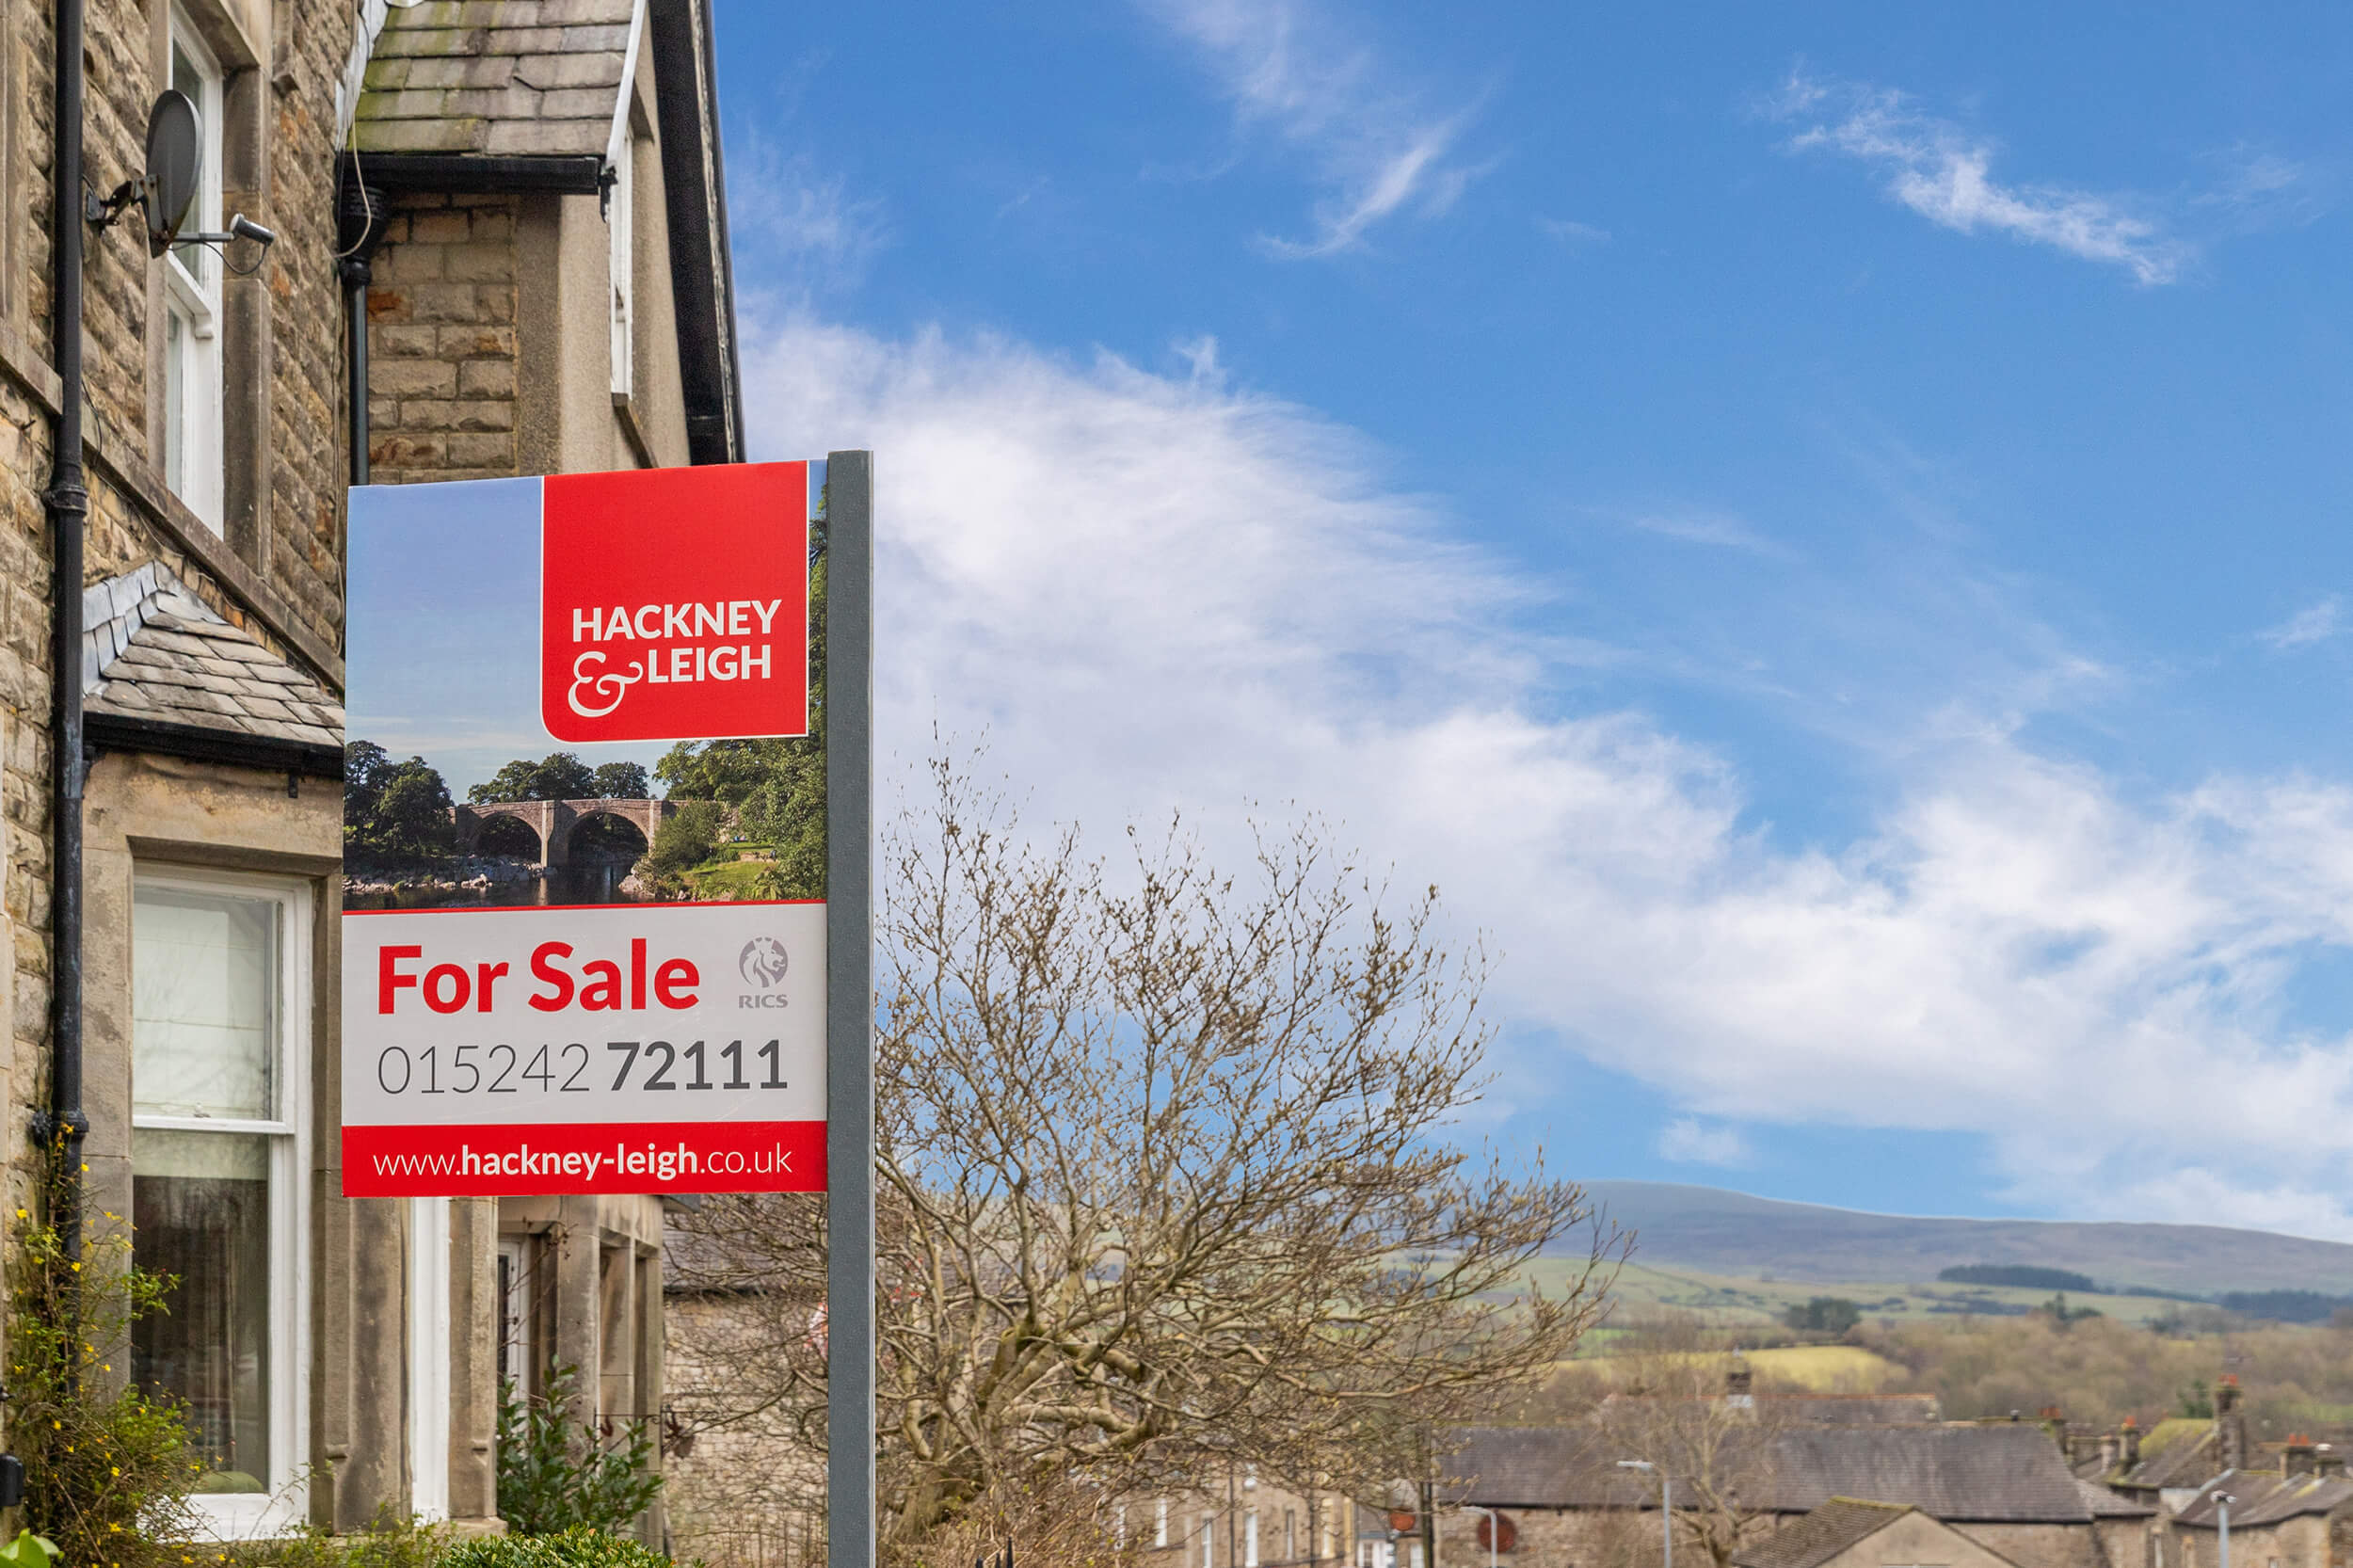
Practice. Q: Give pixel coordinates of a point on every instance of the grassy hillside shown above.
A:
(1729, 1302)
(1707, 1232)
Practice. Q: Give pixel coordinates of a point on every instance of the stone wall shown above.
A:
(277, 570)
(441, 341)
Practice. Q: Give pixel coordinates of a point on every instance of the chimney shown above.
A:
(2109, 1447)
(2296, 1458)
(2128, 1443)
(2326, 1460)
(1740, 1381)
(2229, 1425)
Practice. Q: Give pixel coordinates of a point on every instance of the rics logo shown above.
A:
(764, 963)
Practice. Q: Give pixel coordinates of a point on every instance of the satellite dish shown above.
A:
(175, 165)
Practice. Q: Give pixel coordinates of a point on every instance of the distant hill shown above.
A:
(1731, 1233)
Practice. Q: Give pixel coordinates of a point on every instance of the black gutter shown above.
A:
(474, 174)
(695, 198)
(67, 502)
(268, 753)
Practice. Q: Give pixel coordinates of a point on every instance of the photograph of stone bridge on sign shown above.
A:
(553, 821)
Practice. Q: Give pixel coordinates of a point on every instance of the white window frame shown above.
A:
(1250, 1538)
(194, 444)
(285, 1506)
(1160, 1522)
(519, 1315)
(430, 1343)
(621, 225)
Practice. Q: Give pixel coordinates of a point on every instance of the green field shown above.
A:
(1723, 1301)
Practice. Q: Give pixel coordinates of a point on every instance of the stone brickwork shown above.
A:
(276, 569)
(441, 342)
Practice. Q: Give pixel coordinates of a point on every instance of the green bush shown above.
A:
(557, 1475)
(107, 1466)
(577, 1547)
(396, 1541)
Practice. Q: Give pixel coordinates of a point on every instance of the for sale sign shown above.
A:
(576, 956)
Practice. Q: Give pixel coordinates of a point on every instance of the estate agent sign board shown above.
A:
(522, 1012)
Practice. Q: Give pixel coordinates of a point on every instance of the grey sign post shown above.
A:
(849, 1009)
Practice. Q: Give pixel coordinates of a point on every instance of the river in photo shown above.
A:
(593, 882)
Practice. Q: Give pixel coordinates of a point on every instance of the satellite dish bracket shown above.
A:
(163, 193)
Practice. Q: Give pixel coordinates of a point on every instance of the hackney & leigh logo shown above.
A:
(674, 603)
(762, 964)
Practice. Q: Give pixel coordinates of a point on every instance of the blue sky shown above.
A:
(443, 649)
(1822, 528)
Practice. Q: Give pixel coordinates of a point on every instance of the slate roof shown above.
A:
(2007, 1474)
(153, 651)
(497, 77)
(2010, 1473)
(1852, 1410)
(2260, 1498)
(2105, 1504)
(2176, 1452)
(1821, 1535)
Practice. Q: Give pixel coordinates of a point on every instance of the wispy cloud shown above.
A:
(1690, 1141)
(813, 234)
(1153, 591)
(1720, 529)
(1945, 173)
(1576, 235)
(1379, 148)
(2314, 623)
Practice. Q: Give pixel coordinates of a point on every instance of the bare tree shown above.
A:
(1167, 1178)
(1685, 1407)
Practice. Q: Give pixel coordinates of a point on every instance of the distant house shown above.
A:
(2166, 1469)
(1569, 1501)
(2299, 1517)
(1849, 1532)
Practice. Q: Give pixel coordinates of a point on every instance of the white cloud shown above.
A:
(1576, 235)
(1152, 591)
(1944, 174)
(1689, 1141)
(812, 234)
(1698, 526)
(2314, 623)
(1286, 69)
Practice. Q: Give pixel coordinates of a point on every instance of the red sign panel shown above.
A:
(674, 603)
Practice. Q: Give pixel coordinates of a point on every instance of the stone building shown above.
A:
(1569, 1503)
(1850, 1532)
(2299, 1515)
(521, 202)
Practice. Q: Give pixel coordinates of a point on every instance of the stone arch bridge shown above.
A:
(555, 821)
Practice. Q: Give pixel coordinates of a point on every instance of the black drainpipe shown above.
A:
(68, 504)
(361, 218)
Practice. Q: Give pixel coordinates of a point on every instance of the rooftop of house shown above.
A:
(2172, 1454)
(155, 653)
(532, 79)
(1821, 1535)
(1991, 1474)
(2266, 1497)
(2105, 1504)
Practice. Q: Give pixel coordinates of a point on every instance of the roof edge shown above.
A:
(106, 731)
(480, 173)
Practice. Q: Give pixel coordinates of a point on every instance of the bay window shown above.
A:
(221, 998)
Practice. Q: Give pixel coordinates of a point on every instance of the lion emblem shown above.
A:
(764, 963)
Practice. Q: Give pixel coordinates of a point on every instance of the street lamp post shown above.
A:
(2222, 1501)
(1495, 1530)
(1666, 1505)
